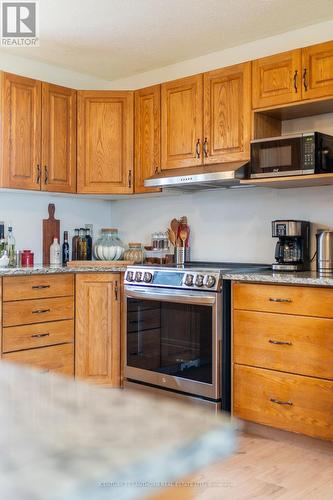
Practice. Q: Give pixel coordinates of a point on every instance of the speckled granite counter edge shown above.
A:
(28, 271)
(303, 278)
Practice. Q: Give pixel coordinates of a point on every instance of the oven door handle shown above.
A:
(178, 296)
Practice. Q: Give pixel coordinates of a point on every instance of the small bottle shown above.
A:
(89, 244)
(82, 247)
(75, 244)
(10, 247)
(55, 254)
(65, 249)
(2, 238)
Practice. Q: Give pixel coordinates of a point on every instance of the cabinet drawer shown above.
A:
(17, 338)
(289, 402)
(304, 301)
(294, 344)
(37, 311)
(37, 287)
(57, 358)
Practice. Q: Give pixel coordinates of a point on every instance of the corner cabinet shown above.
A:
(181, 130)
(147, 136)
(38, 135)
(105, 142)
(97, 337)
(227, 114)
(21, 132)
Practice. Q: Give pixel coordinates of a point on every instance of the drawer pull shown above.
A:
(41, 311)
(40, 287)
(279, 402)
(273, 299)
(39, 335)
(280, 342)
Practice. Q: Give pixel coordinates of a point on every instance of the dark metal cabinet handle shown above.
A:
(39, 335)
(130, 178)
(280, 342)
(279, 402)
(295, 80)
(305, 82)
(40, 287)
(205, 147)
(273, 299)
(38, 174)
(116, 290)
(197, 148)
(41, 311)
(46, 174)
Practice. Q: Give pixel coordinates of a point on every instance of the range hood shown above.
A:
(203, 177)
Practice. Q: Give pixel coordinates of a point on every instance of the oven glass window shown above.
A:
(172, 339)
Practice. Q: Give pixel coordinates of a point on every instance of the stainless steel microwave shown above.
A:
(297, 154)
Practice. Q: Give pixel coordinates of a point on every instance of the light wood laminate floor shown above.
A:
(284, 466)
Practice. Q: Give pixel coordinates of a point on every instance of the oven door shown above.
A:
(173, 339)
(278, 157)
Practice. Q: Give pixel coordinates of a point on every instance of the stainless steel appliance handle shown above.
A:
(180, 296)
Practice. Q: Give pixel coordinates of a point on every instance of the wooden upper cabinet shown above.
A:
(227, 114)
(21, 132)
(105, 142)
(277, 79)
(97, 346)
(58, 138)
(317, 77)
(181, 102)
(147, 135)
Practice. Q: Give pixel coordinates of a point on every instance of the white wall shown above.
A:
(26, 212)
(226, 224)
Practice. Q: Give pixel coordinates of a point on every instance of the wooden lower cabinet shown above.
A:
(290, 402)
(57, 359)
(97, 337)
(282, 357)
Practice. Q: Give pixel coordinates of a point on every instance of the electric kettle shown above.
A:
(324, 250)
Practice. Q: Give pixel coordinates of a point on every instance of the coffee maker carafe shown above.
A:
(292, 251)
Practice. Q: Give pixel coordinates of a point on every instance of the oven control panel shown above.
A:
(173, 278)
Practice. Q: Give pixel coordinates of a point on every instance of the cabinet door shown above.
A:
(317, 78)
(21, 132)
(277, 79)
(147, 135)
(58, 138)
(227, 114)
(105, 142)
(181, 122)
(97, 337)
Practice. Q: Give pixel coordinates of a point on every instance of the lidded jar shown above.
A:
(109, 246)
(135, 253)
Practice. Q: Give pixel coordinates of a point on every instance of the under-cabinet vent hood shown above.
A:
(203, 177)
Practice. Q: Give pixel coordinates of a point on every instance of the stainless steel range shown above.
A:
(178, 330)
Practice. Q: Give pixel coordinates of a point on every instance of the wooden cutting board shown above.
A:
(51, 230)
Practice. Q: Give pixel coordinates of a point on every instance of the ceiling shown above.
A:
(112, 39)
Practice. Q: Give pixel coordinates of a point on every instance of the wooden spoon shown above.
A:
(172, 237)
(183, 236)
(174, 224)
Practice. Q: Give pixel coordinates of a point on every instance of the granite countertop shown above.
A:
(40, 269)
(65, 440)
(310, 278)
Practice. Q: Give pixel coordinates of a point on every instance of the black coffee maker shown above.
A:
(292, 251)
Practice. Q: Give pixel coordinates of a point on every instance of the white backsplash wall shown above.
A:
(25, 211)
(226, 225)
